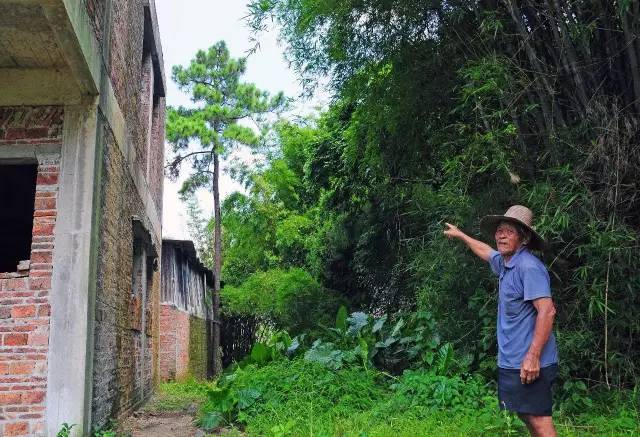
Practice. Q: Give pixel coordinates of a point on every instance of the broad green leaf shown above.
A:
(357, 321)
(379, 324)
(341, 318)
(212, 420)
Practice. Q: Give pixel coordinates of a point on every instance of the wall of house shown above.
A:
(24, 293)
(123, 378)
(184, 344)
(79, 326)
(126, 331)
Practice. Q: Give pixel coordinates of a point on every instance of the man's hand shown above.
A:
(530, 368)
(478, 247)
(452, 231)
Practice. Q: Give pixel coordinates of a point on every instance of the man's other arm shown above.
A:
(530, 369)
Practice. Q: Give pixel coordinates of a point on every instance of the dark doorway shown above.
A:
(17, 197)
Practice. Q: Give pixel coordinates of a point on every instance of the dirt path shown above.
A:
(161, 424)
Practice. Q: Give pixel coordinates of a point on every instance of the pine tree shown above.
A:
(211, 130)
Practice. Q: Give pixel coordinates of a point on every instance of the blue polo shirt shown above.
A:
(522, 280)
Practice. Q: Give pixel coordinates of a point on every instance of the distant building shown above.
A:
(185, 313)
(82, 116)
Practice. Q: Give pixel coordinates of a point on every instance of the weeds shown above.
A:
(179, 396)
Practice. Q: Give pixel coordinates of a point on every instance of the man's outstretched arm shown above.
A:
(482, 250)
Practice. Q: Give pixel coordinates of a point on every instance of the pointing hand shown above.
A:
(452, 231)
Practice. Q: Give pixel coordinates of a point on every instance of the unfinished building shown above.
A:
(81, 156)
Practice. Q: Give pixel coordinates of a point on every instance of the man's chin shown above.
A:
(506, 253)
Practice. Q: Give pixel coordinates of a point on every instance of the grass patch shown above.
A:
(186, 395)
(301, 398)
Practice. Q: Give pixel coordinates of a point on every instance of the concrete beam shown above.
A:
(37, 86)
(26, 153)
(69, 342)
(71, 26)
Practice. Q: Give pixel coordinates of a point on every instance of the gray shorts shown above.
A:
(534, 398)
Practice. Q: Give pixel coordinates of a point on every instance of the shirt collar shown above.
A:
(512, 261)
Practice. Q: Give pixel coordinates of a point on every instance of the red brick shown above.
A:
(45, 203)
(37, 357)
(15, 339)
(33, 397)
(14, 133)
(45, 213)
(18, 409)
(43, 229)
(44, 257)
(37, 132)
(21, 368)
(30, 416)
(24, 328)
(45, 194)
(6, 301)
(16, 284)
(10, 398)
(4, 369)
(40, 283)
(38, 339)
(16, 294)
(44, 310)
(47, 179)
(40, 273)
(23, 311)
(5, 312)
(15, 429)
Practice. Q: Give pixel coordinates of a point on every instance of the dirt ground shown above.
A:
(161, 424)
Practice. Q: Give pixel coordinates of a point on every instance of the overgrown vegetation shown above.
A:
(442, 111)
(283, 388)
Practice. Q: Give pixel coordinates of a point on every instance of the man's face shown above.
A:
(507, 239)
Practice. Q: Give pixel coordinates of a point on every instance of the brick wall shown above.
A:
(174, 343)
(122, 380)
(183, 344)
(31, 125)
(24, 294)
(198, 347)
(156, 152)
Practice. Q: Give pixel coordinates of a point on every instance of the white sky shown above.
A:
(189, 25)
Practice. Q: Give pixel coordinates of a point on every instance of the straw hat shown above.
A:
(518, 214)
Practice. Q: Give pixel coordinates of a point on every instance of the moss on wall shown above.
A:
(197, 347)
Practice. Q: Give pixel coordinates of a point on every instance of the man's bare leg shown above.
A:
(539, 426)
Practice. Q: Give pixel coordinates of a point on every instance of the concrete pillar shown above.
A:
(70, 341)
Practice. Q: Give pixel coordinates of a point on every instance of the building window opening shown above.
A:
(17, 193)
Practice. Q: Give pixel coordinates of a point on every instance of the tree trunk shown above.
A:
(217, 263)
(540, 74)
(633, 58)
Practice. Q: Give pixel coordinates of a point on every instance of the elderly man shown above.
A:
(527, 353)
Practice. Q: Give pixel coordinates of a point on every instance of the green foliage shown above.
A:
(291, 299)
(178, 396)
(65, 430)
(297, 397)
(284, 386)
(450, 111)
(362, 340)
(211, 128)
(107, 430)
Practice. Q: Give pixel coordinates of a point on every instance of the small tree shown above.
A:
(210, 131)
